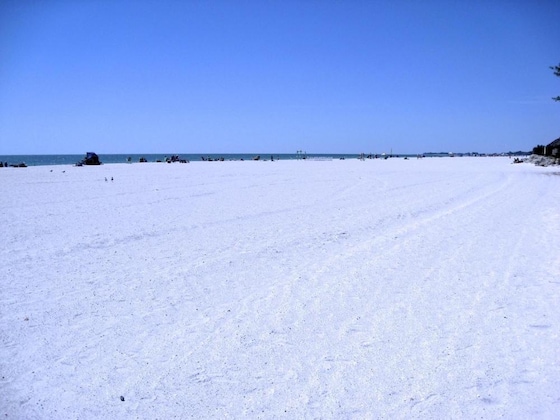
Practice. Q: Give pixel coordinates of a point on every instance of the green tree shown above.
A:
(556, 70)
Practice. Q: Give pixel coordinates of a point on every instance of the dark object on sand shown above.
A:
(91, 159)
(176, 158)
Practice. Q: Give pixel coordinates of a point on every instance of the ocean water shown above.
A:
(41, 160)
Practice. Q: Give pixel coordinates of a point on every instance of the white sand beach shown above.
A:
(390, 289)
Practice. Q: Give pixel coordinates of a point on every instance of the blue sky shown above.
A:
(277, 76)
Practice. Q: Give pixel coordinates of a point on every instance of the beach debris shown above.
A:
(122, 398)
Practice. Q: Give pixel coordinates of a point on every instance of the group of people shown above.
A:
(16, 165)
(175, 158)
(211, 159)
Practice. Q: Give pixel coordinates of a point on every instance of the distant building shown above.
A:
(553, 149)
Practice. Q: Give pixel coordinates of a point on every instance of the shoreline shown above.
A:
(72, 160)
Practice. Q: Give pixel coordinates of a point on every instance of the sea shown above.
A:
(42, 160)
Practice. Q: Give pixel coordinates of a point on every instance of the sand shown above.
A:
(290, 289)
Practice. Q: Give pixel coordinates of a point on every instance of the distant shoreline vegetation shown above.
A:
(72, 159)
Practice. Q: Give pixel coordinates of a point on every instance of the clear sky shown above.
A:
(277, 76)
